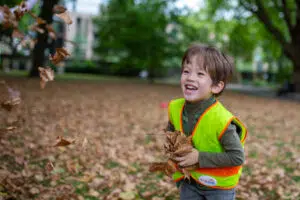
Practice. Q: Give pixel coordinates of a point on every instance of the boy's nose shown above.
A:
(192, 76)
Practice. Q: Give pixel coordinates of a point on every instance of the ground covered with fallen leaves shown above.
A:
(114, 128)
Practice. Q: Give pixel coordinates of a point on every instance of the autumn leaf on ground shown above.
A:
(62, 142)
(65, 17)
(7, 129)
(49, 166)
(84, 144)
(59, 55)
(58, 9)
(46, 74)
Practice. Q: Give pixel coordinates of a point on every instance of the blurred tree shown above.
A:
(281, 19)
(42, 38)
(132, 34)
(9, 3)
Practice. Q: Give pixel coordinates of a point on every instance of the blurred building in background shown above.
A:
(79, 36)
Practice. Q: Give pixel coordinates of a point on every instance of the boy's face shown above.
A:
(196, 83)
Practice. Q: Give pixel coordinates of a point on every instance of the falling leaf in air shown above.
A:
(58, 9)
(46, 74)
(51, 31)
(36, 28)
(17, 34)
(28, 42)
(9, 19)
(12, 99)
(37, 19)
(20, 11)
(40, 21)
(59, 55)
(62, 142)
(65, 17)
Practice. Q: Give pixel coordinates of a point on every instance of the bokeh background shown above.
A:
(107, 104)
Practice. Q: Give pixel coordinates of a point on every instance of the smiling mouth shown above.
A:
(190, 87)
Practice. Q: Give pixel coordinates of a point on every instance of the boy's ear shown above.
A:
(217, 88)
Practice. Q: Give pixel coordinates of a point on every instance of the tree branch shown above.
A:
(287, 15)
(298, 4)
(262, 15)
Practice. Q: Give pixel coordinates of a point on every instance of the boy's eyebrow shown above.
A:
(186, 66)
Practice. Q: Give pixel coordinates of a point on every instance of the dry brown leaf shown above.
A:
(65, 17)
(28, 43)
(61, 142)
(11, 99)
(49, 166)
(46, 74)
(37, 19)
(84, 144)
(58, 9)
(176, 144)
(9, 20)
(60, 54)
(17, 34)
(20, 11)
(36, 28)
(40, 21)
(51, 31)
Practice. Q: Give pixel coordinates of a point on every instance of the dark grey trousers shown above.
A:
(190, 192)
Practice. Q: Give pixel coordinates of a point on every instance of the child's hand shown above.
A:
(188, 159)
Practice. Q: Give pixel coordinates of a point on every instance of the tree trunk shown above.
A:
(296, 77)
(42, 39)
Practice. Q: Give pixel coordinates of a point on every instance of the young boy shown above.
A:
(217, 136)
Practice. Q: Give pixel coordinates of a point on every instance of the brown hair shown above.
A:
(218, 65)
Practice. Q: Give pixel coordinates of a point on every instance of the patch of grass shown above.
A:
(288, 154)
(253, 154)
(296, 178)
(148, 139)
(111, 164)
(279, 144)
(104, 190)
(90, 198)
(80, 187)
(247, 170)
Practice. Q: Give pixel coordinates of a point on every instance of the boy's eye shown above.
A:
(200, 73)
(185, 71)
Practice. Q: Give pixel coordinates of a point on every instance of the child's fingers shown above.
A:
(179, 158)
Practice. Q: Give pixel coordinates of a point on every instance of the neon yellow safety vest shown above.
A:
(208, 131)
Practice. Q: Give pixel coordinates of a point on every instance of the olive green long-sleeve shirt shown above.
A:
(233, 154)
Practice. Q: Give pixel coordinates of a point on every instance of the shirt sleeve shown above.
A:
(232, 156)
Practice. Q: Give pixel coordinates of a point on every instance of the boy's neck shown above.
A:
(211, 98)
(194, 106)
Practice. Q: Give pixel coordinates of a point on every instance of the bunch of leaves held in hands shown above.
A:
(176, 145)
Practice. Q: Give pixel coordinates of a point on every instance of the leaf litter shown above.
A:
(114, 139)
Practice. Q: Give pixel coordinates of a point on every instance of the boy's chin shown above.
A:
(194, 99)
